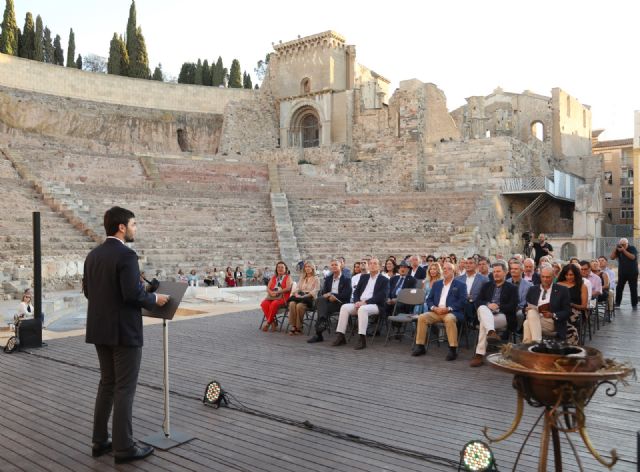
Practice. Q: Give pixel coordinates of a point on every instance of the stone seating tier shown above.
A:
(70, 168)
(218, 175)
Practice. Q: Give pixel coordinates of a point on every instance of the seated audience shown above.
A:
(303, 298)
(278, 292)
(390, 268)
(604, 266)
(530, 273)
(370, 296)
(548, 309)
(229, 280)
(359, 268)
(523, 286)
(209, 278)
(397, 283)
(571, 278)
(594, 280)
(266, 275)
(474, 282)
(483, 266)
(445, 304)
(181, 277)
(192, 278)
(238, 277)
(604, 280)
(345, 269)
(496, 305)
(25, 309)
(325, 272)
(250, 274)
(417, 272)
(336, 291)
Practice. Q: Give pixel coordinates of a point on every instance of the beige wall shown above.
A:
(572, 125)
(636, 167)
(43, 78)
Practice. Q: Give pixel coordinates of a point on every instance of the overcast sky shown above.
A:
(467, 47)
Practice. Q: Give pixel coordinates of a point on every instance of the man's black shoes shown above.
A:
(362, 342)
(100, 448)
(132, 454)
(340, 340)
(419, 350)
(315, 339)
(453, 354)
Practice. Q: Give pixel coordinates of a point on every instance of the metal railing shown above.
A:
(561, 185)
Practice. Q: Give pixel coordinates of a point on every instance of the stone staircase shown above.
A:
(287, 242)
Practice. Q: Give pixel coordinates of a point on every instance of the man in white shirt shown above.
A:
(370, 296)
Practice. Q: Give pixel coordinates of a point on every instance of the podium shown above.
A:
(166, 439)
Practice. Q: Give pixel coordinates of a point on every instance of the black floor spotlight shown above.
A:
(476, 456)
(214, 395)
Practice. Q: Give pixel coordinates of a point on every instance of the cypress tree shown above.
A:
(157, 73)
(131, 38)
(187, 73)
(58, 53)
(125, 63)
(217, 75)
(79, 62)
(38, 43)
(206, 73)
(139, 64)
(198, 77)
(27, 43)
(113, 63)
(48, 46)
(10, 32)
(71, 49)
(235, 78)
(246, 81)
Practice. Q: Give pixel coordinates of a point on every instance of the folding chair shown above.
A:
(281, 315)
(407, 296)
(307, 320)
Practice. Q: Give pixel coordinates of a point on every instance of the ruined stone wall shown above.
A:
(104, 126)
(34, 76)
(572, 125)
(249, 126)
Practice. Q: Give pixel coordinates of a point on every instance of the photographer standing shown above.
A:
(627, 270)
(542, 248)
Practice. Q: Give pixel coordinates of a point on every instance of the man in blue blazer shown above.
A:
(398, 282)
(111, 283)
(445, 303)
(336, 291)
(370, 296)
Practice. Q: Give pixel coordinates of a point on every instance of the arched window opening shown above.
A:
(183, 142)
(537, 130)
(305, 128)
(305, 86)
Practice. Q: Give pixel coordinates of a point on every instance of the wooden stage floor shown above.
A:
(380, 394)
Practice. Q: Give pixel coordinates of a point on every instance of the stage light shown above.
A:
(476, 456)
(214, 395)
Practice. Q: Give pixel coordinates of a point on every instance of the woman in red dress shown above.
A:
(278, 292)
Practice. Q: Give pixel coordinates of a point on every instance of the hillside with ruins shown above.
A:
(324, 160)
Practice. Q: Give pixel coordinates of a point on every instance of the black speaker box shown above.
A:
(30, 333)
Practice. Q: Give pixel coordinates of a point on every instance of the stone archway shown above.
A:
(305, 128)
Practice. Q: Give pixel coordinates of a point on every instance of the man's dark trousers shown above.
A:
(118, 364)
(632, 279)
(324, 309)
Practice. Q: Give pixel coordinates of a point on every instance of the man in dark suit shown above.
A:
(474, 282)
(111, 283)
(417, 271)
(336, 291)
(445, 303)
(530, 273)
(398, 282)
(496, 306)
(548, 309)
(369, 296)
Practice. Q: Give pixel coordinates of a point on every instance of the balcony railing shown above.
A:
(561, 185)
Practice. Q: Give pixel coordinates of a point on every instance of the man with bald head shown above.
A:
(548, 309)
(445, 304)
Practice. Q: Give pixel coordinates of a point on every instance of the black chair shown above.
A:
(281, 315)
(410, 297)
